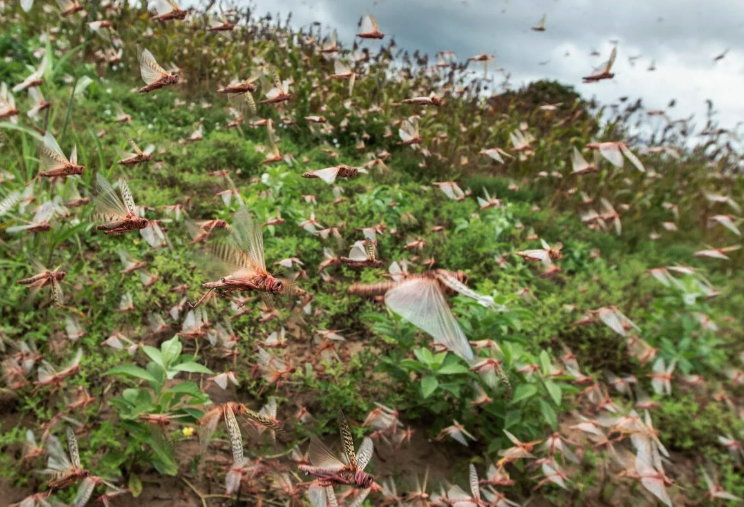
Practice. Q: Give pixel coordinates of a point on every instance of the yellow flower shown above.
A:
(188, 431)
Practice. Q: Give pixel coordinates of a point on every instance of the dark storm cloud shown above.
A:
(681, 37)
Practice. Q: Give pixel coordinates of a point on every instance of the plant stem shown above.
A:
(69, 107)
(201, 495)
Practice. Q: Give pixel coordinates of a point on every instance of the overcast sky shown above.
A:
(680, 36)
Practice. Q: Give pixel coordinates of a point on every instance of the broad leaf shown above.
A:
(428, 386)
(548, 414)
(131, 371)
(192, 368)
(555, 392)
(523, 392)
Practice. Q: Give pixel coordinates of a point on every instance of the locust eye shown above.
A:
(222, 280)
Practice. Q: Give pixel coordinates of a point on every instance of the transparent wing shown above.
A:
(127, 196)
(538, 255)
(347, 440)
(611, 61)
(58, 459)
(51, 154)
(316, 495)
(236, 440)
(321, 456)
(404, 132)
(44, 212)
(9, 202)
(275, 79)
(221, 380)
(107, 200)
(331, 496)
(163, 7)
(370, 248)
(72, 445)
(420, 301)
(340, 67)
(611, 152)
(578, 161)
(610, 318)
(133, 144)
(367, 24)
(358, 253)
(208, 425)
(149, 68)
(454, 284)
(328, 175)
(85, 491)
(651, 482)
(449, 190)
(260, 419)
(248, 237)
(365, 453)
(57, 296)
(633, 159)
(474, 487)
(359, 500)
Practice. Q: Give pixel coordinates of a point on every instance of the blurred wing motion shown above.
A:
(454, 284)
(248, 237)
(108, 202)
(421, 302)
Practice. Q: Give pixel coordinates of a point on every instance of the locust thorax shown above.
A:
(223, 283)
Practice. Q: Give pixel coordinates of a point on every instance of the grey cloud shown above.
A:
(682, 44)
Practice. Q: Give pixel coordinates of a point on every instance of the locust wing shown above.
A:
(421, 302)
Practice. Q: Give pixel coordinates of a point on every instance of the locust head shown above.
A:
(364, 480)
(75, 169)
(274, 285)
(140, 223)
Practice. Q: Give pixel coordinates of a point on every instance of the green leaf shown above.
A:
(437, 360)
(192, 368)
(130, 395)
(21, 128)
(186, 388)
(154, 354)
(555, 392)
(196, 414)
(451, 387)
(512, 417)
(452, 369)
(424, 355)
(170, 350)
(523, 392)
(545, 362)
(165, 467)
(410, 364)
(135, 486)
(428, 386)
(548, 414)
(131, 371)
(101, 159)
(82, 84)
(158, 374)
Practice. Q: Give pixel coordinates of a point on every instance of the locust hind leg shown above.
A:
(202, 299)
